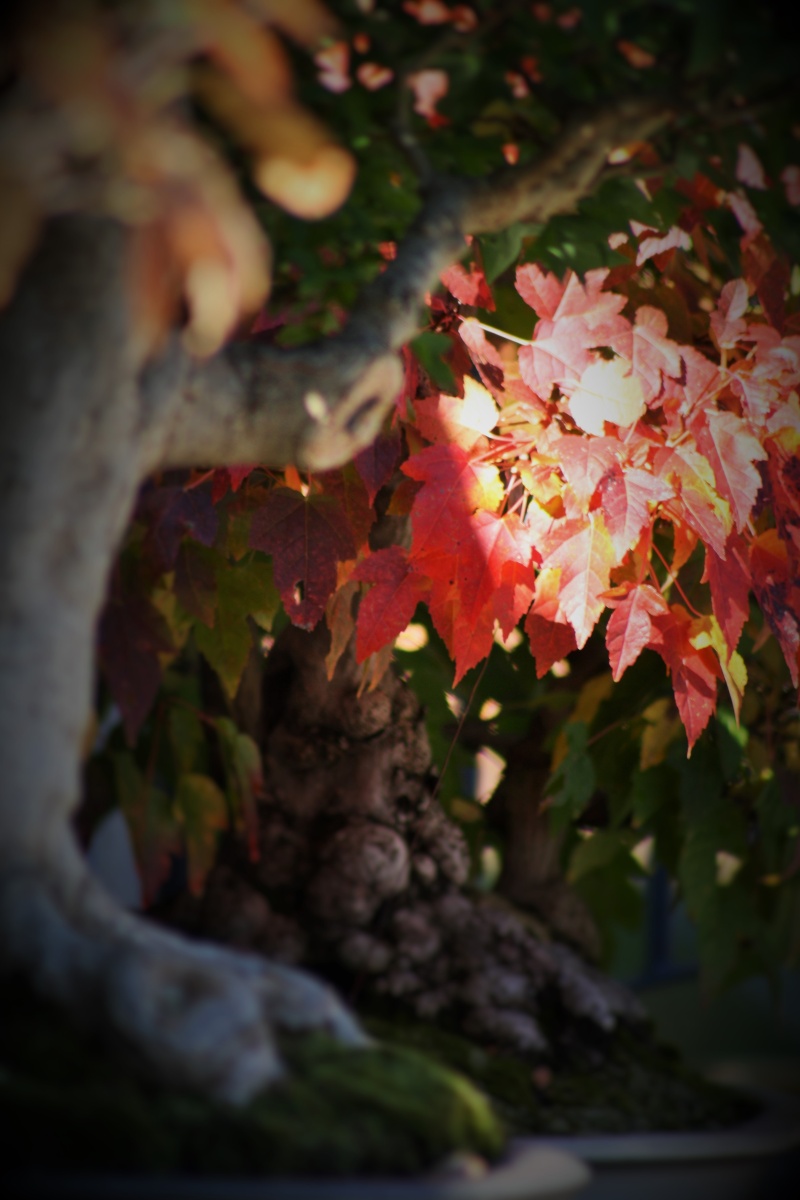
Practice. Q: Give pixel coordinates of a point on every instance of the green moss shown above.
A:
(386, 1109)
(616, 1083)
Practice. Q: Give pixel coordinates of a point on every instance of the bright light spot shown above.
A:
(315, 406)
(454, 703)
(509, 643)
(561, 669)
(728, 866)
(607, 392)
(489, 767)
(489, 710)
(413, 637)
(491, 865)
(643, 853)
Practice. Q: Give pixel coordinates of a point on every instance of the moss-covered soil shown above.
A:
(399, 1107)
(619, 1083)
(66, 1104)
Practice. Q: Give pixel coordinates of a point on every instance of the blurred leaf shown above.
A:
(202, 810)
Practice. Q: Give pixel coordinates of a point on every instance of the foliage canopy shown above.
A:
(596, 441)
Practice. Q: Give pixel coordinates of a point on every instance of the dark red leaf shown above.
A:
(389, 605)
(378, 462)
(132, 636)
(307, 536)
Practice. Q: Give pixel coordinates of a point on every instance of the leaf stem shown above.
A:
(510, 337)
(460, 725)
(671, 578)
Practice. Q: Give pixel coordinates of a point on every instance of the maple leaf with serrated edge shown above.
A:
(391, 601)
(648, 351)
(458, 420)
(454, 487)
(471, 641)
(698, 503)
(378, 462)
(774, 577)
(729, 581)
(625, 495)
(493, 543)
(732, 449)
(706, 632)
(584, 461)
(468, 287)
(307, 536)
(133, 637)
(513, 597)
(347, 486)
(695, 672)
(550, 635)
(565, 336)
(630, 626)
(585, 553)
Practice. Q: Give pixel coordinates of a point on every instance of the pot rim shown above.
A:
(773, 1130)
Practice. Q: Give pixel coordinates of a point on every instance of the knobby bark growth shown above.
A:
(361, 873)
(86, 418)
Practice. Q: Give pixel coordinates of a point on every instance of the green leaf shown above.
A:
(244, 777)
(430, 348)
(572, 784)
(651, 790)
(732, 741)
(151, 820)
(500, 250)
(244, 589)
(203, 812)
(185, 736)
(598, 851)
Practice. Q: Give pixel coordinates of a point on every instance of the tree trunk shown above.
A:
(84, 422)
(362, 875)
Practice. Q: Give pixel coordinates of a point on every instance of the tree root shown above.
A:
(190, 1014)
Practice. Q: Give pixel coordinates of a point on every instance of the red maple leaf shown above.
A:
(625, 497)
(729, 580)
(468, 287)
(775, 584)
(730, 445)
(513, 597)
(630, 626)
(307, 536)
(378, 462)
(389, 605)
(584, 461)
(571, 325)
(550, 635)
(585, 553)
(649, 351)
(493, 543)
(347, 486)
(454, 487)
(694, 672)
(698, 502)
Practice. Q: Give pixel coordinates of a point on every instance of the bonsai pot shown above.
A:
(527, 1171)
(759, 1157)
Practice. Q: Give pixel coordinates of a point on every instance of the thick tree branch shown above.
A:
(318, 405)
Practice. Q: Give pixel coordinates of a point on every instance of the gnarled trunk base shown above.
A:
(362, 875)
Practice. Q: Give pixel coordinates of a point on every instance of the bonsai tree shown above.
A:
(540, 370)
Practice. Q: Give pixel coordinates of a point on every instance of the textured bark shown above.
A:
(362, 875)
